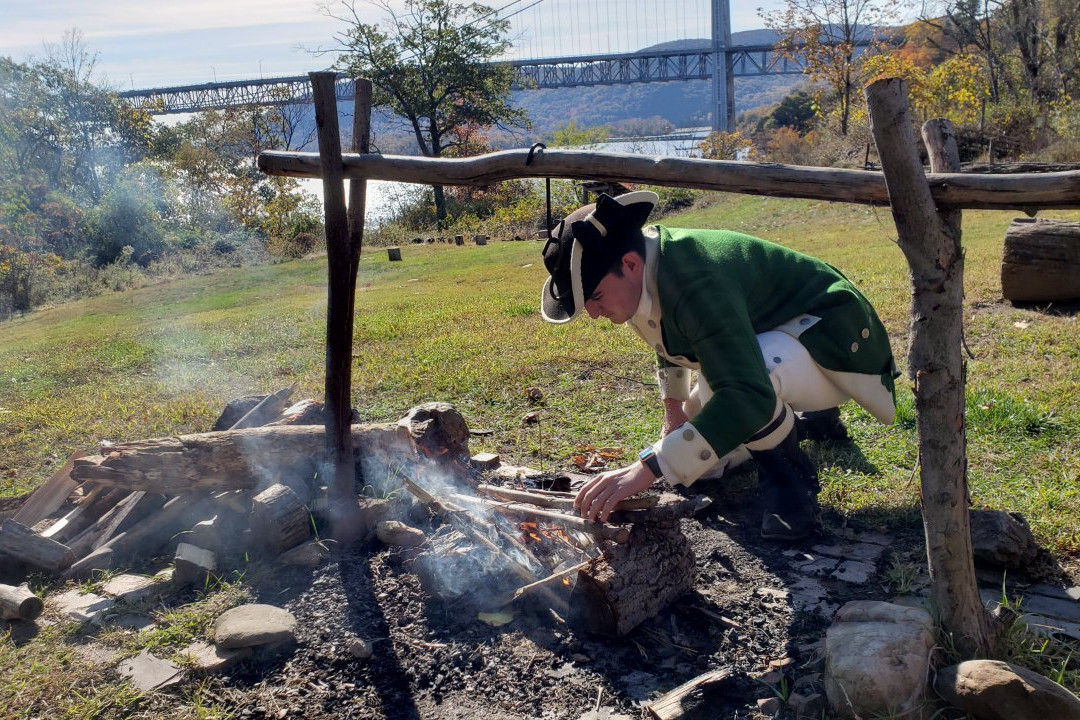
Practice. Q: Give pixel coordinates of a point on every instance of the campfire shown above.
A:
(487, 538)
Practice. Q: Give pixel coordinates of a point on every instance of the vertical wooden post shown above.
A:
(930, 240)
(341, 266)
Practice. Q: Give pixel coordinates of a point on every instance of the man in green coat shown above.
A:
(775, 336)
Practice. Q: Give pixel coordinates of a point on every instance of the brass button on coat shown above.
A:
(705, 455)
(688, 435)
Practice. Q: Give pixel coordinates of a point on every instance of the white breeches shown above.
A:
(802, 386)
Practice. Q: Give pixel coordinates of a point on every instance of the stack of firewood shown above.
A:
(247, 488)
(251, 488)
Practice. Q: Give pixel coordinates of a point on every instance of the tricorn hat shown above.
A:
(584, 245)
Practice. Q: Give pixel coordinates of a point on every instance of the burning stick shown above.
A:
(464, 522)
(561, 501)
(604, 531)
(551, 578)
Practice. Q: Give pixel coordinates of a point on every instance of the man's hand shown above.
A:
(597, 499)
(673, 416)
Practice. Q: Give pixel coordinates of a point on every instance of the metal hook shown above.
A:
(547, 182)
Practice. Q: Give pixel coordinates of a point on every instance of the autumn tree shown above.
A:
(825, 35)
(433, 64)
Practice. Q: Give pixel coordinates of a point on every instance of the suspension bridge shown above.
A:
(670, 26)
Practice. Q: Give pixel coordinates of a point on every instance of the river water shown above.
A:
(383, 196)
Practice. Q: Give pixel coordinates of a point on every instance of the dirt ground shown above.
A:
(435, 660)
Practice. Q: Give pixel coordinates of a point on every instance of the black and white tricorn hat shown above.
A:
(583, 247)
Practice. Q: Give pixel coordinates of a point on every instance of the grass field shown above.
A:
(461, 325)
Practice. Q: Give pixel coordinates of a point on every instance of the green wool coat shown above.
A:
(718, 289)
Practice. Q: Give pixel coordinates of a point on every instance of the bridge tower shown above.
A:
(723, 81)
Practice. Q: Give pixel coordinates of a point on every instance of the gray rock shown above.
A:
(78, 606)
(209, 658)
(806, 707)
(147, 672)
(130, 588)
(1002, 539)
(310, 554)
(853, 571)
(193, 565)
(877, 656)
(360, 649)
(994, 690)
(868, 552)
(254, 624)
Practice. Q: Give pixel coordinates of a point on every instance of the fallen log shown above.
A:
(634, 581)
(1041, 261)
(18, 603)
(48, 498)
(21, 544)
(234, 459)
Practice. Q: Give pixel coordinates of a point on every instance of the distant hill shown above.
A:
(677, 103)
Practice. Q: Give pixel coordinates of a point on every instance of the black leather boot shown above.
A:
(789, 488)
(821, 425)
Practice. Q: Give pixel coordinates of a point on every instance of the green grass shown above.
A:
(461, 325)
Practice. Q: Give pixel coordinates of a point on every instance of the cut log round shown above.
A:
(233, 459)
(279, 520)
(21, 544)
(18, 603)
(393, 253)
(634, 581)
(1041, 261)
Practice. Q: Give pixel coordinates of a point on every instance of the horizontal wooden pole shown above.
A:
(1023, 191)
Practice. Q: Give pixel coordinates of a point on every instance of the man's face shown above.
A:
(617, 298)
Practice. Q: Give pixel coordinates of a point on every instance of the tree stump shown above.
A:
(279, 521)
(393, 253)
(480, 239)
(634, 581)
(459, 239)
(1041, 261)
(18, 603)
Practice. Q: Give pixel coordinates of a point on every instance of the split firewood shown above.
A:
(18, 603)
(560, 501)
(48, 498)
(634, 581)
(234, 459)
(97, 502)
(685, 698)
(266, 411)
(603, 531)
(127, 512)
(145, 537)
(279, 520)
(21, 544)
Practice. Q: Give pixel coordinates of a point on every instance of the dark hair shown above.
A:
(633, 242)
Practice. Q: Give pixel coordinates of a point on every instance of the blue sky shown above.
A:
(154, 43)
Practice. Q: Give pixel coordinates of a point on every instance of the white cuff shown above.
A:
(684, 455)
(674, 383)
